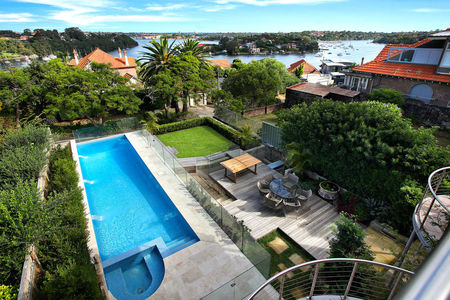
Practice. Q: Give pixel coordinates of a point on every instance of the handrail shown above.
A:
(432, 189)
(328, 260)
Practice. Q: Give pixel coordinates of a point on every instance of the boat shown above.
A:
(346, 53)
(339, 54)
(330, 53)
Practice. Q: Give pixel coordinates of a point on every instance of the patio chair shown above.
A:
(263, 190)
(303, 195)
(290, 180)
(272, 203)
(291, 209)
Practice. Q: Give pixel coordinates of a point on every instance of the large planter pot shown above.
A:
(328, 190)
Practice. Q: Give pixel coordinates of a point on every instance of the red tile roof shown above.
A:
(380, 66)
(307, 69)
(100, 56)
(223, 63)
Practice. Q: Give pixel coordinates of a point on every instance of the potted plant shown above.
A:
(328, 190)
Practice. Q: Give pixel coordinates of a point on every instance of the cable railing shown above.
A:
(336, 278)
(432, 214)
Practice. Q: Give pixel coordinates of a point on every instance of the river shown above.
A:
(350, 50)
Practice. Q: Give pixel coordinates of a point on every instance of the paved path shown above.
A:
(311, 230)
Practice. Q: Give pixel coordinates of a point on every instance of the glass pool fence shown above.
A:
(237, 232)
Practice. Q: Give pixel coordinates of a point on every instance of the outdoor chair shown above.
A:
(303, 195)
(263, 190)
(272, 203)
(291, 208)
(289, 180)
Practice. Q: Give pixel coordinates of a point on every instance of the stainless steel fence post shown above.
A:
(313, 286)
(350, 281)
(282, 287)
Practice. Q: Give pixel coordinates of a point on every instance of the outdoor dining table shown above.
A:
(277, 188)
(240, 163)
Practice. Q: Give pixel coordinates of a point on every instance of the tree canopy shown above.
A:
(55, 90)
(369, 149)
(258, 82)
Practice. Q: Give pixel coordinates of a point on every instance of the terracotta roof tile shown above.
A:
(380, 66)
(100, 56)
(307, 69)
(223, 63)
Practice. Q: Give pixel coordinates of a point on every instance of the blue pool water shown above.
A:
(128, 206)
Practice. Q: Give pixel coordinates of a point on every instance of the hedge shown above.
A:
(226, 131)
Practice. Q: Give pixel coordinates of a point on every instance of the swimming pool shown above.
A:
(128, 206)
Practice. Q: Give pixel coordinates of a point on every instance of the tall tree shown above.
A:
(15, 90)
(156, 58)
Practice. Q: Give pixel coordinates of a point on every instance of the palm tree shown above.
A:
(194, 46)
(156, 58)
(245, 136)
(151, 123)
(299, 159)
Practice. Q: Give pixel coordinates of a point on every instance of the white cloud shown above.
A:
(271, 2)
(165, 7)
(87, 12)
(430, 10)
(219, 8)
(16, 17)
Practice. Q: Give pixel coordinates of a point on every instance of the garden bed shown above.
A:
(197, 141)
(284, 252)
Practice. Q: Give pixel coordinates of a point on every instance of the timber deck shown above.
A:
(311, 230)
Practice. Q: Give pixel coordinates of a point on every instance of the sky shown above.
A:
(226, 15)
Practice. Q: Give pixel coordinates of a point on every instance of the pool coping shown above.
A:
(91, 239)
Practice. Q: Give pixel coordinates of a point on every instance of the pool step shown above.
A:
(179, 244)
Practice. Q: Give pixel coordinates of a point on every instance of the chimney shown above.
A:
(362, 60)
(75, 56)
(120, 52)
(126, 57)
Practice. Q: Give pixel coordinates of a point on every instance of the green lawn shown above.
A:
(197, 141)
(269, 118)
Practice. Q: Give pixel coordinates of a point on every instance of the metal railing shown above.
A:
(432, 214)
(337, 278)
(236, 120)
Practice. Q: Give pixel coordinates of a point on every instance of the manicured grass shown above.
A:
(282, 258)
(197, 141)
(268, 118)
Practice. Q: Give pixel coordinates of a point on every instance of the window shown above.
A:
(407, 55)
(421, 92)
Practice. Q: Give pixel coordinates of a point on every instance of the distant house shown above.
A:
(307, 68)
(24, 37)
(125, 66)
(309, 92)
(5, 38)
(420, 71)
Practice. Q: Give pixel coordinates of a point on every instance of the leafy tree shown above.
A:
(225, 99)
(387, 96)
(156, 58)
(368, 148)
(164, 86)
(349, 240)
(15, 89)
(258, 82)
(237, 64)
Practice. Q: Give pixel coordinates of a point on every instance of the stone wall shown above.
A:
(441, 91)
(428, 115)
(262, 110)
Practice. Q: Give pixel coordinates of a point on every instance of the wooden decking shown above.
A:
(311, 230)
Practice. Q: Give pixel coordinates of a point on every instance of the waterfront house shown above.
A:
(125, 66)
(420, 71)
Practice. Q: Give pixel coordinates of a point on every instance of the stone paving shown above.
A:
(199, 269)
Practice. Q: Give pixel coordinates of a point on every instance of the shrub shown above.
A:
(70, 281)
(63, 174)
(29, 135)
(7, 292)
(387, 96)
